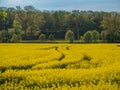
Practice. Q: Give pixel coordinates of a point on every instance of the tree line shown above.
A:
(31, 24)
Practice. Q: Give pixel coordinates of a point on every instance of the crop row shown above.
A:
(50, 78)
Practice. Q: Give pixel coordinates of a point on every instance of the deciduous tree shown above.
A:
(69, 36)
(88, 36)
(42, 37)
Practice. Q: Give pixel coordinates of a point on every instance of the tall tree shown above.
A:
(30, 8)
(17, 36)
(103, 35)
(3, 15)
(111, 23)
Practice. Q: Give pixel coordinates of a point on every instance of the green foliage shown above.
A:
(81, 37)
(0, 35)
(91, 36)
(110, 37)
(15, 38)
(95, 35)
(3, 15)
(17, 32)
(28, 32)
(71, 39)
(51, 37)
(42, 37)
(111, 23)
(29, 23)
(117, 36)
(11, 31)
(32, 31)
(69, 36)
(103, 35)
(3, 34)
(4, 37)
(88, 36)
(17, 26)
(29, 8)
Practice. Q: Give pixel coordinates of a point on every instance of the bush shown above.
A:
(51, 37)
(88, 36)
(71, 40)
(69, 36)
(42, 37)
(95, 35)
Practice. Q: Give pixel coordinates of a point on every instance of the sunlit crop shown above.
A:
(59, 66)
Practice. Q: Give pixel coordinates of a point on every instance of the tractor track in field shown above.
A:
(57, 49)
(62, 57)
(27, 67)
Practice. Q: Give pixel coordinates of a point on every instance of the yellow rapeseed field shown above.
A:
(59, 66)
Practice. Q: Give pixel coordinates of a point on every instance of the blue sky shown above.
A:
(95, 5)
